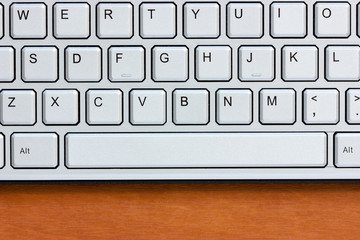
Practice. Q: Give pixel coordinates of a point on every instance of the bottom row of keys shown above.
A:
(189, 106)
(166, 150)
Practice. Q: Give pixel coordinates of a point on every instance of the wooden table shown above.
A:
(180, 211)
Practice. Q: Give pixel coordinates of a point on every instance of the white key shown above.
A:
(321, 106)
(213, 63)
(2, 150)
(233, 106)
(7, 64)
(154, 150)
(256, 63)
(83, 64)
(39, 64)
(104, 107)
(332, 19)
(288, 19)
(157, 20)
(71, 20)
(147, 107)
(201, 20)
(277, 106)
(191, 107)
(126, 64)
(114, 20)
(1, 21)
(342, 63)
(34, 150)
(18, 107)
(28, 20)
(170, 63)
(347, 149)
(245, 20)
(300, 63)
(353, 106)
(61, 107)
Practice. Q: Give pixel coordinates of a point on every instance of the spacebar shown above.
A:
(195, 150)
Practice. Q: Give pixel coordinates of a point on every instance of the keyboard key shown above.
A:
(61, 107)
(126, 64)
(342, 63)
(332, 19)
(256, 63)
(39, 64)
(158, 20)
(18, 107)
(297, 59)
(7, 64)
(71, 20)
(104, 107)
(277, 106)
(191, 107)
(114, 20)
(170, 63)
(321, 106)
(83, 64)
(288, 19)
(234, 106)
(201, 20)
(147, 107)
(353, 106)
(1, 21)
(28, 20)
(180, 150)
(245, 20)
(213, 63)
(34, 150)
(2, 150)
(347, 149)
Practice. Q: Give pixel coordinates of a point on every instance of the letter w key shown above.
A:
(28, 20)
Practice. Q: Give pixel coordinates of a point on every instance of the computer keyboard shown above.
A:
(177, 90)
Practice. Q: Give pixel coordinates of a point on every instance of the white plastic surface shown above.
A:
(71, 20)
(157, 20)
(114, 20)
(277, 106)
(60, 107)
(177, 150)
(7, 61)
(321, 106)
(115, 77)
(39, 64)
(234, 106)
(343, 63)
(34, 150)
(288, 19)
(148, 107)
(256, 63)
(300, 63)
(28, 20)
(245, 20)
(104, 107)
(18, 107)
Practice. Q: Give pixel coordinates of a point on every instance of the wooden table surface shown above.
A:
(180, 211)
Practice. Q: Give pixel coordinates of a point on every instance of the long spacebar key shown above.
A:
(195, 150)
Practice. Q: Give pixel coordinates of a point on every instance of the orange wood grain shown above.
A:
(180, 211)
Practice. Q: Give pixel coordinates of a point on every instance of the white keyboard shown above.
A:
(119, 90)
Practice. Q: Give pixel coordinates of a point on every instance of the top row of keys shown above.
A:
(159, 20)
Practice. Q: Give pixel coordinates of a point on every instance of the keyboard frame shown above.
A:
(7, 173)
